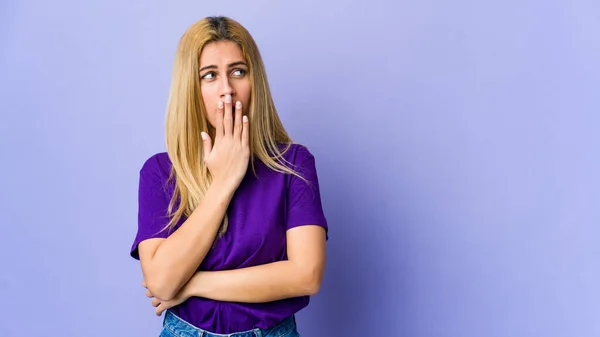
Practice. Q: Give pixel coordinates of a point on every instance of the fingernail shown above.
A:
(227, 98)
(245, 119)
(203, 135)
(220, 105)
(238, 104)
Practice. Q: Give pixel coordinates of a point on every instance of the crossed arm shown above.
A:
(169, 264)
(300, 275)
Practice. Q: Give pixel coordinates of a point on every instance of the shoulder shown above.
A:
(296, 154)
(157, 165)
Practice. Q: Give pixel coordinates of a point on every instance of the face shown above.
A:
(223, 71)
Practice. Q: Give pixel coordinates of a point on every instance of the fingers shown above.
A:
(155, 302)
(206, 144)
(237, 129)
(219, 124)
(228, 117)
(159, 307)
(245, 133)
(159, 310)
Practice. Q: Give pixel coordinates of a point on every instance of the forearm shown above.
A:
(178, 257)
(259, 284)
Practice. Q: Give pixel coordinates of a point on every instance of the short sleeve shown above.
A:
(152, 207)
(304, 205)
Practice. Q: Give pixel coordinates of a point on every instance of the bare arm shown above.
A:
(167, 264)
(300, 275)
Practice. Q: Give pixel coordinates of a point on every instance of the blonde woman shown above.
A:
(231, 231)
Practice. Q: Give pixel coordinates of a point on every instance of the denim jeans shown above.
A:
(173, 326)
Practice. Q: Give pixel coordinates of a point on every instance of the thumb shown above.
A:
(206, 143)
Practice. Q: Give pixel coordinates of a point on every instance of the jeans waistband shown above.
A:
(181, 328)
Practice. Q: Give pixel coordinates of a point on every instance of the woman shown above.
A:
(231, 232)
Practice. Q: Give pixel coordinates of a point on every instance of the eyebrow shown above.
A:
(228, 66)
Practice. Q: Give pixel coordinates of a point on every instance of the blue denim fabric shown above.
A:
(173, 326)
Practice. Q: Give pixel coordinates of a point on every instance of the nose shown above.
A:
(226, 88)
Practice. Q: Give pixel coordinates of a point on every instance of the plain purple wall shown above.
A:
(457, 142)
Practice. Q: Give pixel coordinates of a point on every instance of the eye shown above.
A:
(239, 72)
(209, 75)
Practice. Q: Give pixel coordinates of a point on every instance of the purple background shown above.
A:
(457, 144)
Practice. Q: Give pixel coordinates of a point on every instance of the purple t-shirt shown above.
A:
(259, 214)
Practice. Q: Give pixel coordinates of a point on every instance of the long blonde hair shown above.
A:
(186, 116)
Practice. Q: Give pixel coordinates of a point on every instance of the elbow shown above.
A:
(313, 288)
(162, 282)
(312, 281)
(162, 290)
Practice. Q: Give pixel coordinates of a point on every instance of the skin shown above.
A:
(168, 264)
(300, 275)
(225, 88)
(223, 71)
(227, 159)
